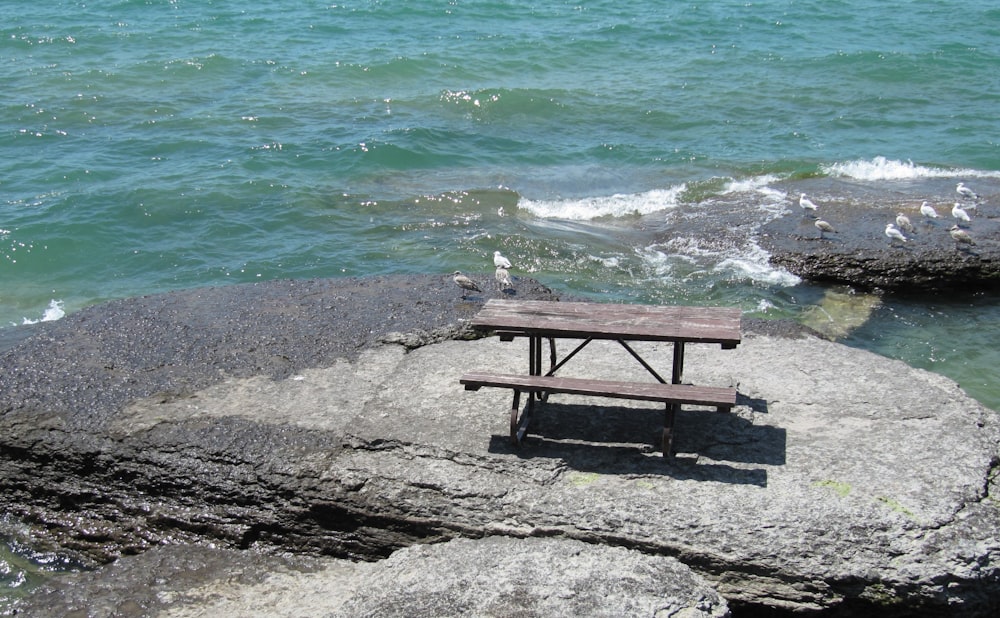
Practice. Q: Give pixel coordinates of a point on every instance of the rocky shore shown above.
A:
(859, 253)
(298, 448)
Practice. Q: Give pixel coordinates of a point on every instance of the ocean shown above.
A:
(156, 145)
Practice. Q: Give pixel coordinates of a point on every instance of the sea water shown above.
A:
(155, 145)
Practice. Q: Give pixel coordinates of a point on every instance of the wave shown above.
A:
(52, 313)
(882, 168)
(656, 200)
(618, 205)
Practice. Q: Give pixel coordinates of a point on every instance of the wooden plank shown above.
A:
(643, 391)
(612, 321)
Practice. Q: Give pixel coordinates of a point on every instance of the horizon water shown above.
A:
(149, 146)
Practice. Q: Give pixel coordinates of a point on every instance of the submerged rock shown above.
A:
(839, 312)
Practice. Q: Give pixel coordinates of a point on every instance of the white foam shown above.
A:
(881, 168)
(764, 306)
(613, 261)
(52, 313)
(774, 200)
(747, 262)
(755, 184)
(744, 267)
(618, 205)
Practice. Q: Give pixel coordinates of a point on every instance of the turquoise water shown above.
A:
(149, 145)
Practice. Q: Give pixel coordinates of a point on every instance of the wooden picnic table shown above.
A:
(538, 320)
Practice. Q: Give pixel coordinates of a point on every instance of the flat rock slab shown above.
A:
(841, 480)
(860, 254)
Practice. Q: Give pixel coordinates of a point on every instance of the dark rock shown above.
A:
(861, 255)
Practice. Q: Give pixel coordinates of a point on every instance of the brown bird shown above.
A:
(961, 236)
(467, 285)
(503, 278)
(824, 227)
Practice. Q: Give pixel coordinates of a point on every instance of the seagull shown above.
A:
(500, 261)
(503, 278)
(966, 192)
(904, 222)
(807, 204)
(824, 227)
(893, 233)
(928, 211)
(958, 213)
(467, 285)
(961, 236)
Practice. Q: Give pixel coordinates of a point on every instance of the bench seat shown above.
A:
(644, 391)
(671, 394)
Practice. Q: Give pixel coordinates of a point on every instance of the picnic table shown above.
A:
(541, 320)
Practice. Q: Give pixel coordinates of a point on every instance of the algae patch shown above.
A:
(840, 487)
(582, 479)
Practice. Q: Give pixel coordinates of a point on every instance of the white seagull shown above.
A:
(824, 227)
(503, 278)
(903, 222)
(961, 236)
(959, 213)
(966, 192)
(807, 204)
(928, 211)
(500, 261)
(893, 233)
(467, 285)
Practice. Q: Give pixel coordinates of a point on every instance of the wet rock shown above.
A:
(840, 311)
(861, 255)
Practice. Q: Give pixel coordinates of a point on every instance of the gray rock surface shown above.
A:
(842, 482)
(494, 576)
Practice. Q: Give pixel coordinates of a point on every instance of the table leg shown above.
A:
(519, 420)
(678, 373)
(668, 430)
(672, 408)
(534, 355)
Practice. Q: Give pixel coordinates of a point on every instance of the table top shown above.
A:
(612, 321)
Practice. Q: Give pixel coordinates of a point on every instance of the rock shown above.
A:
(839, 312)
(842, 482)
(494, 576)
(860, 254)
(499, 576)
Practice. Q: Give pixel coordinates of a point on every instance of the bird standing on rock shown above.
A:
(928, 211)
(503, 278)
(893, 233)
(961, 236)
(959, 213)
(808, 206)
(903, 223)
(966, 192)
(467, 285)
(824, 227)
(500, 261)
